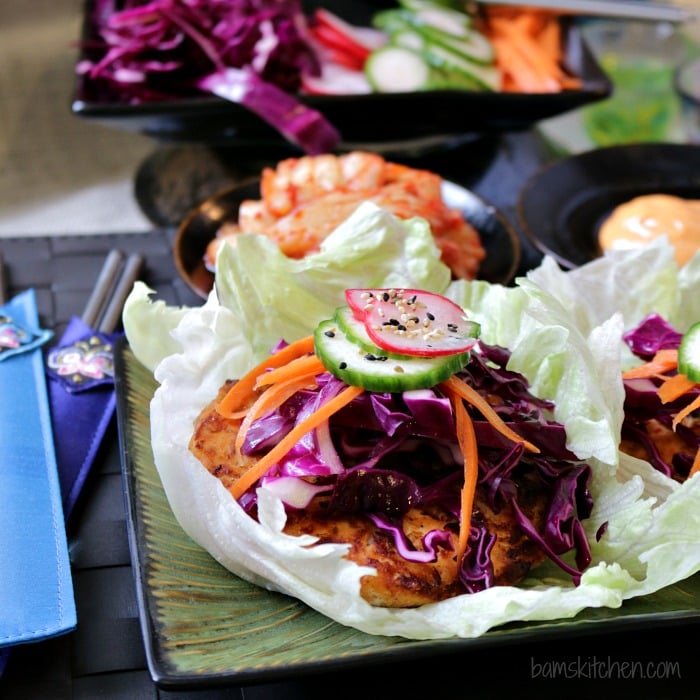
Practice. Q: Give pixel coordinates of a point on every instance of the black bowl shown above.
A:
(561, 207)
(198, 229)
(373, 121)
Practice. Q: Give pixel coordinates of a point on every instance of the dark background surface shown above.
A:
(104, 657)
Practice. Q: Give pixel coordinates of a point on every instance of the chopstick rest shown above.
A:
(36, 588)
(80, 368)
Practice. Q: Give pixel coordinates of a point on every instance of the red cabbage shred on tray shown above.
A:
(252, 52)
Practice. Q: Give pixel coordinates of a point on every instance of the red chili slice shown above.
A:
(413, 321)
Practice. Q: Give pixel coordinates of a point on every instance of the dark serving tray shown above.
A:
(205, 627)
(375, 121)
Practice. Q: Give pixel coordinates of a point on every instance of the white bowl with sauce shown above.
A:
(561, 209)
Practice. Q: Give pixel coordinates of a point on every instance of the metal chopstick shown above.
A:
(112, 312)
(616, 9)
(101, 291)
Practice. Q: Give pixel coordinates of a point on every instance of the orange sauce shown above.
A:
(645, 218)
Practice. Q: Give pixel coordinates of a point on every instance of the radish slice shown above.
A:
(340, 43)
(413, 322)
(366, 37)
(336, 79)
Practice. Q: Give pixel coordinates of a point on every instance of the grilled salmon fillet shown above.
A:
(398, 583)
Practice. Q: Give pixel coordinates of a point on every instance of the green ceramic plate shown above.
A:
(203, 626)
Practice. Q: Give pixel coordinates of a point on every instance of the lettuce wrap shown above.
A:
(562, 340)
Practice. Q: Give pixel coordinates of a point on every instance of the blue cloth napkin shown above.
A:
(36, 587)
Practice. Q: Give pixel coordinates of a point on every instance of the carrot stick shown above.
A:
(300, 366)
(261, 467)
(674, 387)
(271, 399)
(664, 361)
(473, 397)
(243, 390)
(696, 465)
(466, 436)
(528, 46)
(685, 411)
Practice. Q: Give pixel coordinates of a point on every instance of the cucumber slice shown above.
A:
(484, 77)
(473, 46)
(689, 353)
(355, 331)
(397, 69)
(391, 21)
(408, 39)
(352, 364)
(437, 15)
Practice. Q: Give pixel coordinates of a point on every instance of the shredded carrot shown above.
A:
(696, 465)
(664, 361)
(297, 367)
(466, 436)
(242, 391)
(674, 387)
(271, 458)
(271, 399)
(686, 411)
(471, 396)
(528, 47)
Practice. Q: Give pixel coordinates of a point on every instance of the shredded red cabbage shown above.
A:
(651, 335)
(642, 402)
(252, 52)
(392, 451)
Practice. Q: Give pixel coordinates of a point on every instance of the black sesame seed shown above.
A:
(329, 334)
(386, 296)
(400, 327)
(343, 365)
(430, 316)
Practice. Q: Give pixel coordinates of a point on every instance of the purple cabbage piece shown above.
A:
(251, 52)
(651, 335)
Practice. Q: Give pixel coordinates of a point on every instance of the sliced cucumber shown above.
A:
(438, 15)
(473, 46)
(689, 353)
(408, 39)
(397, 69)
(391, 21)
(484, 77)
(353, 364)
(355, 331)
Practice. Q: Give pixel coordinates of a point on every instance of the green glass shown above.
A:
(642, 107)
